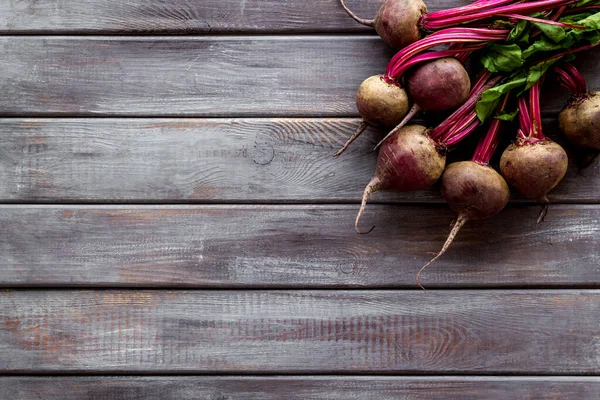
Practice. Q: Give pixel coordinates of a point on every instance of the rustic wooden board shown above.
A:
(299, 388)
(197, 76)
(528, 332)
(292, 246)
(185, 16)
(208, 160)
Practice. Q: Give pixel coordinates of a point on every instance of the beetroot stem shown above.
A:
(568, 82)
(435, 55)
(519, 8)
(577, 77)
(488, 144)
(483, 83)
(367, 22)
(453, 35)
(524, 119)
(535, 111)
(543, 21)
(468, 9)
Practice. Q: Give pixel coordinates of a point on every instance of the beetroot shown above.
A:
(441, 82)
(402, 22)
(534, 164)
(396, 22)
(409, 160)
(473, 189)
(379, 103)
(580, 119)
(439, 85)
(413, 157)
(534, 168)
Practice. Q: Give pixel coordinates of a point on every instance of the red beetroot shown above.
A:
(473, 189)
(413, 157)
(409, 160)
(439, 85)
(533, 164)
(402, 22)
(396, 22)
(580, 119)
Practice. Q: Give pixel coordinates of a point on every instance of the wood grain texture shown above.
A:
(292, 246)
(528, 332)
(209, 160)
(191, 76)
(198, 76)
(188, 16)
(299, 388)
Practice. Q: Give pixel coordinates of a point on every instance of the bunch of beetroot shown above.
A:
(513, 48)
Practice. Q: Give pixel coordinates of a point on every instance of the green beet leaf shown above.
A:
(502, 57)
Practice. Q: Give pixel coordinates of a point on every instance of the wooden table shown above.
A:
(173, 225)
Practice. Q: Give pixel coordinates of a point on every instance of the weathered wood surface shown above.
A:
(292, 246)
(299, 388)
(208, 160)
(197, 76)
(528, 332)
(188, 16)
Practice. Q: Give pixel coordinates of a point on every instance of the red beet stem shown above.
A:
(519, 8)
(452, 35)
(571, 79)
(535, 111)
(463, 56)
(468, 9)
(572, 51)
(483, 83)
(525, 125)
(462, 134)
(488, 144)
(367, 22)
(435, 55)
(543, 21)
(576, 10)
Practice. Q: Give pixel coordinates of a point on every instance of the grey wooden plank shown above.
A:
(526, 332)
(299, 388)
(292, 246)
(191, 76)
(208, 160)
(197, 76)
(187, 16)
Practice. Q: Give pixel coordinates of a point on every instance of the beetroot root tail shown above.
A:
(542, 214)
(414, 109)
(373, 186)
(361, 128)
(367, 22)
(460, 222)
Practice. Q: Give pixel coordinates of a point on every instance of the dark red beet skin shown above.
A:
(398, 22)
(408, 160)
(439, 85)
